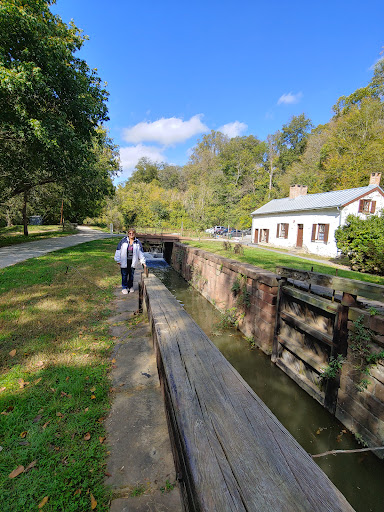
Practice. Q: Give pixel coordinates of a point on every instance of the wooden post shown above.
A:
(275, 343)
(340, 347)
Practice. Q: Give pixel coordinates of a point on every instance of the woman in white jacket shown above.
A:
(129, 251)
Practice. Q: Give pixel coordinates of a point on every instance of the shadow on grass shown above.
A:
(54, 384)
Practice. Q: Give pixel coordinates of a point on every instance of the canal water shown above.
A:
(360, 477)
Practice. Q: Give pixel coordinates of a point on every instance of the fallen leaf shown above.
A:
(21, 383)
(100, 420)
(77, 492)
(37, 380)
(87, 436)
(67, 378)
(31, 465)
(46, 424)
(59, 415)
(43, 502)
(92, 390)
(93, 502)
(12, 353)
(63, 393)
(37, 418)
(53, 390)
(23, 434)
(93, 397)
(2, 389)
(107, 474)
(40, 363)
(86, 409)
(113, 360)
(16, 472)
(101, 439)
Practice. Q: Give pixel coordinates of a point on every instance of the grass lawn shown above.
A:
(15, 234)
(269, 260)
(54, 387)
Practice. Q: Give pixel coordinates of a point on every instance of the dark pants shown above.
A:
(127, 275)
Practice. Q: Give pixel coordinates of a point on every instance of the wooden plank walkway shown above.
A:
(232, 452)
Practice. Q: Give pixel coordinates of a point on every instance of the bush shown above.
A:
(363, 242)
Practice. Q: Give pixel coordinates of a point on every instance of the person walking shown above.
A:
(129, 251)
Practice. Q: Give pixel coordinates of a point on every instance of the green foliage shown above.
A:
(362, 240)
(239, 289)
(51, 106)
(333, 369)
(360, 339)
(168, 487)
(230, 318)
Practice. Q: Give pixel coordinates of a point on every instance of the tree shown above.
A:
(293, 140)
(362, 240)
(51, 102)
(145, 171)
(355, 145)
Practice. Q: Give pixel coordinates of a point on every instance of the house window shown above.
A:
(264, 235)
(282, 230)
(320, 233)
(367, 206)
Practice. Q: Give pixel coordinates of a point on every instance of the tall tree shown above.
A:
(50, 101)
(293, 140)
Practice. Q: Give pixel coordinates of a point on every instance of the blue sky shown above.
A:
(176, 70)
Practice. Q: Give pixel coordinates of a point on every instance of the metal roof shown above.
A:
(315, 201)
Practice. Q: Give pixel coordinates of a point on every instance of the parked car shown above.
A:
(210, 231)
(235, 232)
(218, 229)
(247, 231)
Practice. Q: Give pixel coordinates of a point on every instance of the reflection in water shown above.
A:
(360, 477)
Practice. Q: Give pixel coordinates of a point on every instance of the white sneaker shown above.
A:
(131, 290)
(125, 291)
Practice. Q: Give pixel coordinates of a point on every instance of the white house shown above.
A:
(308, 221)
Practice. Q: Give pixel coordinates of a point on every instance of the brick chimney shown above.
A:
(375, 178)
(297, 190)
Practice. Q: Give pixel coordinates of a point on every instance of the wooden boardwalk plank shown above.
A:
(235, 453)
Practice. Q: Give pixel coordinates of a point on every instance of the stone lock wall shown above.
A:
(361, 411)
(213, 276)
(361, 407)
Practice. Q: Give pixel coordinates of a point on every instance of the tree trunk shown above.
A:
(24, 212)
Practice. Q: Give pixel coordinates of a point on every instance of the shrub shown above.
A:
(363, 242)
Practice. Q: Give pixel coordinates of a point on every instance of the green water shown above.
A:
(360, 477)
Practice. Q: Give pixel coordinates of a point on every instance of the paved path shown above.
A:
(140, 464)
(21, 252)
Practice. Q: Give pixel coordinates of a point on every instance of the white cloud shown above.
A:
(165, 131)
(289, 98)
(130, 155)
(234, 129)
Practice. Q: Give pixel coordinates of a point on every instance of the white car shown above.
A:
(210, 231)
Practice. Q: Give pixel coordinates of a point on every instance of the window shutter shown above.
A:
(361, 202)
(313, 232)
(326, 233)
(267, 237)
(277, 232)
(286, 231)
(373, 206)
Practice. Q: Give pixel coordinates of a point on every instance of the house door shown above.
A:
(256, 238)
(299, 241)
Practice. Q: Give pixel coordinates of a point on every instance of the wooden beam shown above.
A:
(302, 326)
(351, 286)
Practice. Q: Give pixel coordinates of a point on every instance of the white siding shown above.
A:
(307, 218)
